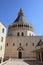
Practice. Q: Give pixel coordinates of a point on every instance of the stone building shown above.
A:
(2, 39)
(21, 41)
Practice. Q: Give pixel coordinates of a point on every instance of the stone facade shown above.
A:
(2, 39)
(27, 50)
(21, 41)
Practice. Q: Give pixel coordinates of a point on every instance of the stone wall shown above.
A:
(11, 50)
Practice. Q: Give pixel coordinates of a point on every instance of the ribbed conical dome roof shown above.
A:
(21, 19)
(21, 22)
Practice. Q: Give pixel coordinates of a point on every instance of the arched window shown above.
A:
(7, 44)
(26, 44)
(18, 34)
(20, 44)
(13, 44)
(22, 34)
(33, 44)
(2, 39)
(3, 30)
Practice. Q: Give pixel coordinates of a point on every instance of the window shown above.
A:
(20, 44)
(22, 34)
(20, 25)
(7, 44)
(3, 30)
(33, 44)
(30, 34)
(18, 34)
(13, 44)
(0, 47)
(26, 44)
(1, 39)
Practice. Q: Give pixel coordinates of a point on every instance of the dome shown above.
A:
(21, 19)
(21, 22)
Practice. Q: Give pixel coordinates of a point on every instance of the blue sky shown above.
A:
(33, 11)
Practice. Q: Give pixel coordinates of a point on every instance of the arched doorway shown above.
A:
(20, 55)
(20, 52)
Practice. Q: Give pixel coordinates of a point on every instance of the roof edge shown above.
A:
(3, 24)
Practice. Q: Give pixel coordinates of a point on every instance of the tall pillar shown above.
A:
(41, 56)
